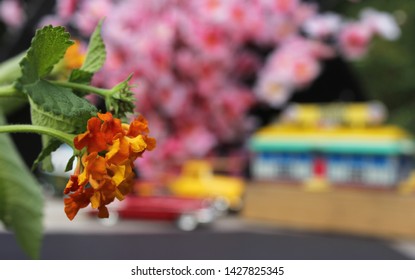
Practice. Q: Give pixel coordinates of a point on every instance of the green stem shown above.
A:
(84, 88)
(27, 128)
(10, 69)
(10, 91)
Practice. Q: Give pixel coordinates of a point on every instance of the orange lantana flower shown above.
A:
(105, 170)
(93, 138)
(74, 56)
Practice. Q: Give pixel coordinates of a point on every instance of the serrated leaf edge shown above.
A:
(30, 52)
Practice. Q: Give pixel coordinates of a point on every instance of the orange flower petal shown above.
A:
(81, 140)
(97, 167)
(76, 201)
(97, 145)
(103, 212)
(72, 184)
(118, 152)
(120, 172)
(96, 200)
(111, 126)
(105, 117)
(151, 142)
(71, 208)
(137, 144)
(93, 138)
(138, 126)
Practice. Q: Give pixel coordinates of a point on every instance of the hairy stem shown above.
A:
(26, 128)
(84, 88)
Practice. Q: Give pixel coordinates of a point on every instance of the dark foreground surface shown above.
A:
(203, 245)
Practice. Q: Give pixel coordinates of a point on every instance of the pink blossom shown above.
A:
(323, 26)
(210, 10)
(281, 6)
(90, 13)
(294, 63)
(383, 24)
(210, 39)
(291, 67)
(242, 21)
(304, 70)
(66, 8)
(11, 12)
(174, 97)
(198, 140)
(279, 29)
(307, 47)
(304, 12)
(354, 40)
(273, 90)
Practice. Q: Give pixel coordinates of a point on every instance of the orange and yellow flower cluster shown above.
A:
(105, 171)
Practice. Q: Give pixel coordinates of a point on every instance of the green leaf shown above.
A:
(51, 145)
(96, 55)
(80, 76)
(21, 200)
(69, 165)
(57, 107)
(47, 48)
(95, 59)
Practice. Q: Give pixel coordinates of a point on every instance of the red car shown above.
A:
(188, 213)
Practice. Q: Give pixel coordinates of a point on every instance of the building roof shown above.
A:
(365, 140)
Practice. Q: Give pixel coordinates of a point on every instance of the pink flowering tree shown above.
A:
(201, 65)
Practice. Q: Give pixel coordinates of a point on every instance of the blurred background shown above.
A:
(275, 122)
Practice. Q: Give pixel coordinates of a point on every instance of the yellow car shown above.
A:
(197, 180)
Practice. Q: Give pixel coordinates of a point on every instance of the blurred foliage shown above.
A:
(21, 200)
(387, 73)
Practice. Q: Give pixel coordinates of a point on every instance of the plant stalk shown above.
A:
(26, 128)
